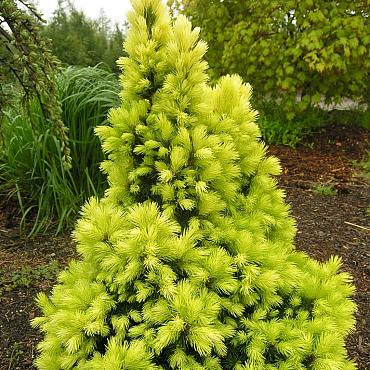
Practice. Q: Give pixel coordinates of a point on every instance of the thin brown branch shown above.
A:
(32, 10)
(358, 226)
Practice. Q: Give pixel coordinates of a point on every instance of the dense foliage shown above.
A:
(26, 62)
(276, 129)
(311, 49)
(79, 40)
(187, 261)
(30, 162)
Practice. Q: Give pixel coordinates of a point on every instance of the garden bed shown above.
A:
(335, 223)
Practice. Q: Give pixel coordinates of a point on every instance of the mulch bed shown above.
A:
(327, 225)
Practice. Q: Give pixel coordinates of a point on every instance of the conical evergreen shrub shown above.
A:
(188, 261)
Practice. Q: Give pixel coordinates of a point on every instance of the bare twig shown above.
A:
(358, 226)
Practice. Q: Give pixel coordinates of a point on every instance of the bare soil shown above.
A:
(328, 224)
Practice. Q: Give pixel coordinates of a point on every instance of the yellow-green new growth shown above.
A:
(188, 261)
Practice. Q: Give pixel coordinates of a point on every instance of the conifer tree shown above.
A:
(188, 261)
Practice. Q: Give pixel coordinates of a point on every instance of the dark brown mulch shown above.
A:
(334, 225)
(17, 339)
(327, 225)
(327, 158)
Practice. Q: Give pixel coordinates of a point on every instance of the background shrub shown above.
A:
(276, 128)
(285, 49)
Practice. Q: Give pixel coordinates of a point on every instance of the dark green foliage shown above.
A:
(114, 50)
(31, 167)
(79, 40)
(360, 117)
(276, 128)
